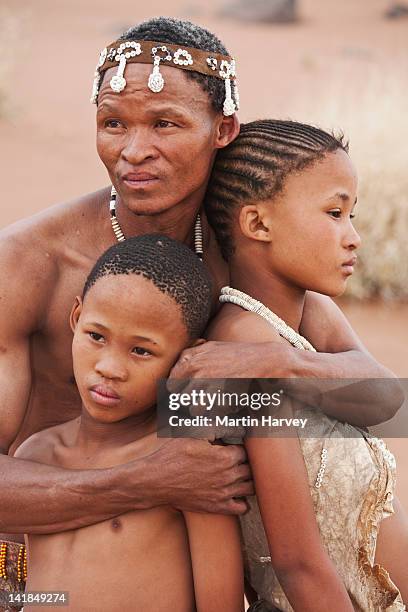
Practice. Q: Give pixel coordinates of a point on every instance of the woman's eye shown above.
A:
(112, 123)
(142, 352)
(95, 336)
(336, 214)
(165, 124)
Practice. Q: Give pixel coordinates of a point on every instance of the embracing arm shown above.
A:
(190, 474)
(215, 547)
(326, 375)
(371, 393)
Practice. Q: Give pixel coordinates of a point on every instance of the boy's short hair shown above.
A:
(171, 266)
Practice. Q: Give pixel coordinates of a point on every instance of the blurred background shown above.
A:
(340, 65)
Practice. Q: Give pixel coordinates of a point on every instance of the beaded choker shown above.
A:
(234, 296)
(120, 236)
(121, 52)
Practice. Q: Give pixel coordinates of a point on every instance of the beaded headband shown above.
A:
(121, 52)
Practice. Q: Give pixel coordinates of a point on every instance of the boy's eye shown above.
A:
(142, 352)
(95, 336)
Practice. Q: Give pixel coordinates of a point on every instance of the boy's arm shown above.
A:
(216, 557)
(301, 563)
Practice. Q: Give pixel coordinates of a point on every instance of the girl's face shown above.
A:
(311, 241)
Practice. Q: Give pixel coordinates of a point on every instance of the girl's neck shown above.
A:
(283, 298)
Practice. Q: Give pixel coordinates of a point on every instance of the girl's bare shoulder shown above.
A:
(234, 324)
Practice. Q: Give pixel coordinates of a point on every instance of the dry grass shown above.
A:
(375, 121)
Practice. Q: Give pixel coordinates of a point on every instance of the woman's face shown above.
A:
(312, 242)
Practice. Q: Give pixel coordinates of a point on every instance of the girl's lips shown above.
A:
(347, 269)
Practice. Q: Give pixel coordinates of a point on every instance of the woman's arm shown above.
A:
(326, 375)
(299, 559)
(215, 547)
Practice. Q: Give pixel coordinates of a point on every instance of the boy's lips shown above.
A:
(105, 395)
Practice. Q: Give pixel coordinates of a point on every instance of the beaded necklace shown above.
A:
(228, 294)
(120, 236)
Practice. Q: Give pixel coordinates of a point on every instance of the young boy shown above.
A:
(145, 300)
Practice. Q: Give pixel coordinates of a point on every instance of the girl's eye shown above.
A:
(142, 352)
(95, 336)
(352, 215)
(336, 214)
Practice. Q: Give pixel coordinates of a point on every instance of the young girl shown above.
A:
(281, 201)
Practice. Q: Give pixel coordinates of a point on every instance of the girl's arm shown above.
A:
(216, 557)
(299, 559)
(301, 563)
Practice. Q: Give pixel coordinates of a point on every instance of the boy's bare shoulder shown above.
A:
(40, 447)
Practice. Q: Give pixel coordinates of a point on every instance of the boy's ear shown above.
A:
(254, 224)
(75, 313)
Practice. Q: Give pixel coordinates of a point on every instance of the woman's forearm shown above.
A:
(187, 474)
(349, 386)
(38, 498)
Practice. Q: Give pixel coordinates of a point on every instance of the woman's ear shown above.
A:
(75, 313)
(254, 224)
(228, 130)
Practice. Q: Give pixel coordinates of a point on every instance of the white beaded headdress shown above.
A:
(121, 52)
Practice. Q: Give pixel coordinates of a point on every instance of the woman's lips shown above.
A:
(104, 395)
(140, 180)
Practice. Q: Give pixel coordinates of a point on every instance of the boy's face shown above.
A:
(127, 335)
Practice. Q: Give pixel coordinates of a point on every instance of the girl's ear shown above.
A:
(199, 341)
(254, 224)
(75, 313)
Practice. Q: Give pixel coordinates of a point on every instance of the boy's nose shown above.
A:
(111, 368)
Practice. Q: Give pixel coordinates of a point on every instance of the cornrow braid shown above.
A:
(255, 165)
(170, 265)
(184, 33)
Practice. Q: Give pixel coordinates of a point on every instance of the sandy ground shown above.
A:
(47, 134)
